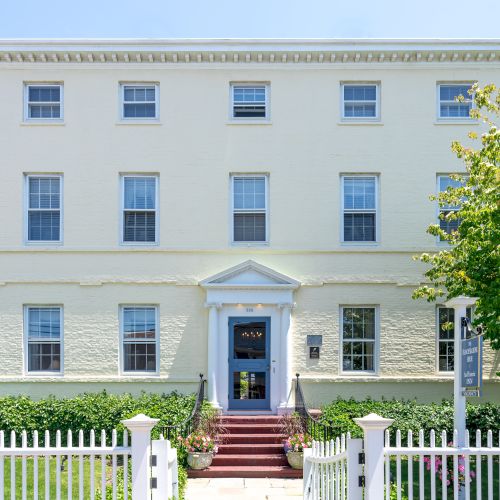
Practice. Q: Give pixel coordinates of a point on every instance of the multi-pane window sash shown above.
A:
(446, 337)
(44, 334)
(44, 102)
(139, 339)
(249, 101)
(249, 209)
(139, 209)
(140, 101)
(448, 225)
(44, 208)
(358, 338)
(360, 101)
(449, 107)
(359, 208)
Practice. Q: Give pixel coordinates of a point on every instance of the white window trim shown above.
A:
(438, 208)
(232, 211)
(376, 347)
(377, 211)
(121, 363)
(27, 241)
(360, 119)
(256, 120)
(121, 99)
(156, 210)
(453, 119)
(45, 373)
(26, 116)
(445, 373)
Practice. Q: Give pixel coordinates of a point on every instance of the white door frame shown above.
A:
(250, 290)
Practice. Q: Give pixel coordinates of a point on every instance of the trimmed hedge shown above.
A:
(91, 411)
(409, 415)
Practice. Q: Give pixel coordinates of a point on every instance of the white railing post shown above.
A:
(374, 427)
(140, 427)
(306, 470)
(354, 469)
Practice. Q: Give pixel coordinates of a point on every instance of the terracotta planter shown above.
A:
(295, 459)
(199, 461)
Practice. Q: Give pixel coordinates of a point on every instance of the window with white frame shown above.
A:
(140, 218)
(360, 101)
(249, 102)
(359, 207)
(358, 338)
(249, 208)
(140, 338)
(43, 101)
(43, 327)
(139, 102)
(44, 207)
(449, 108)
(446, 337)
(445, 223)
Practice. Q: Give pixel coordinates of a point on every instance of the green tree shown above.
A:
(470, 265)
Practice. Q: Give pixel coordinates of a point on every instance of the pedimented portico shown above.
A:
(249, 340)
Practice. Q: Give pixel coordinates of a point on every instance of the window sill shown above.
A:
(359, 243)
(456, 122)
(139, 244)
(139, 122)
(359, 374)
(44, 374)
(49, 244)
(249, 122)
(140, 374)
(369, 123)
(42, 124)
(245, 244)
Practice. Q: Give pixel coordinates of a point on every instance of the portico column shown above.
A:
(213, 361)
(285, 368)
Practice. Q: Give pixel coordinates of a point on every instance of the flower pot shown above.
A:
(198, 460)
(295, 459)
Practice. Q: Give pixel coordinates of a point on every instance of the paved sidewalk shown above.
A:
(235, 488)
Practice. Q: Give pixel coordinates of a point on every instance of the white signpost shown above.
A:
(460, 305)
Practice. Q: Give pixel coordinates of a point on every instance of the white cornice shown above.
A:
(250, 51)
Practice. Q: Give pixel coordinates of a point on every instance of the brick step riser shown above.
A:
(264, 461)
(285, 472)
(249, 420)
(252, 449)
(255, 439)
(252, 429)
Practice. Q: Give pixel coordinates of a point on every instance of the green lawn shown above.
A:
(427, 478)
(64, 477)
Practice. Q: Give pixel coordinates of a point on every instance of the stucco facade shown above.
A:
(193, 148)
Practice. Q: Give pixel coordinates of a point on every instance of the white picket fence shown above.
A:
(52, 470)
(327, 475)
(372, 469)
(449, 471)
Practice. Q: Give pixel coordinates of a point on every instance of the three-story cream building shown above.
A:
(245, 209)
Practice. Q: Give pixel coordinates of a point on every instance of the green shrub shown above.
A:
(409, 415)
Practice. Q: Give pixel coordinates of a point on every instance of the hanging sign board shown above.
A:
(472, 366)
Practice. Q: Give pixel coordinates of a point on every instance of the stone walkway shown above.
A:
(262, 489)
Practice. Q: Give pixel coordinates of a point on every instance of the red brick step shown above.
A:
(258, 459)
(254, 448)
(247, 471)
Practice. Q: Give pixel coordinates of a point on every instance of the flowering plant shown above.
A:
(446, 470)
(297, 442)
(198, 443)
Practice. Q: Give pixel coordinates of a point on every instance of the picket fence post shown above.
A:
(165, 470)
(306, 471)
(374, 427)
(140, 427)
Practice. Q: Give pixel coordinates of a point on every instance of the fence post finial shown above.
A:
(140, 427)
(374, 427)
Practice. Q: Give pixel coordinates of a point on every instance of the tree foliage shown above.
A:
(470, 264)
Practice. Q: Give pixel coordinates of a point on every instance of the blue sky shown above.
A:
(250, 18)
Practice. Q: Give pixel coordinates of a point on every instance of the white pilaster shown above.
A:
(285, 366)
(212, 348)
(460, 305)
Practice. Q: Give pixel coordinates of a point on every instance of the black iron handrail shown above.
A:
(189, 424)
(314, 427)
